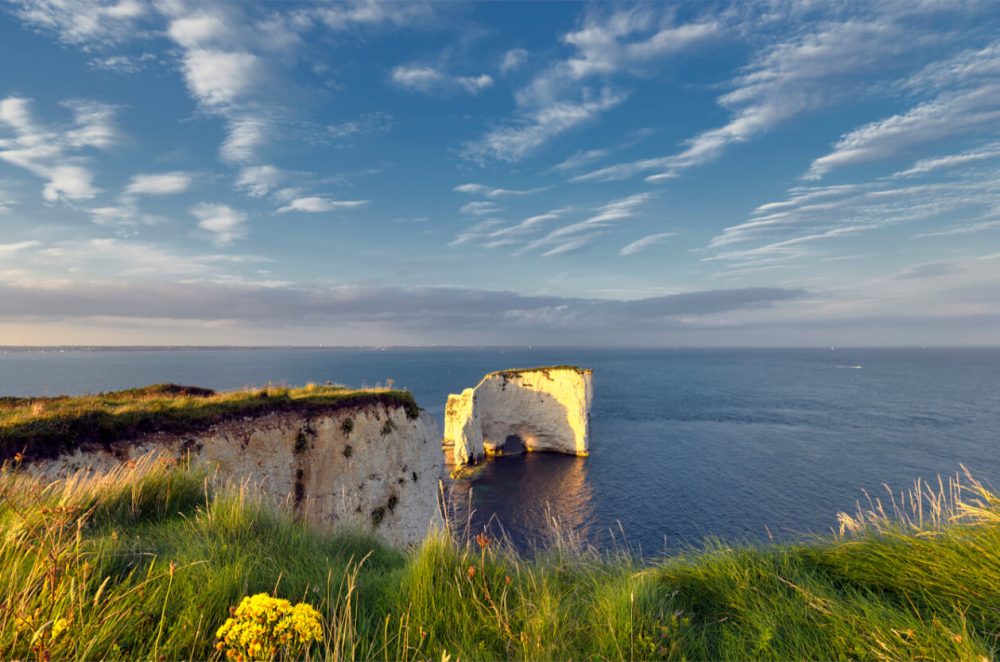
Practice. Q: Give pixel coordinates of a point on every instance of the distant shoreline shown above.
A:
(150, 348)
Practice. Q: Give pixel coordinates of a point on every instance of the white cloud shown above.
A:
(947, 117)
(367, 124)
(318, 204)
(571, 245)
(580, 159)
(969, 103)
(246, 135)
(571, 237)
(491, 192)
(70, 182)
(556, 101)
(788, 232)
(258, 181)
(200, 29)
(222, 221)
(122, 64)
(54, 152)
(220, 78)
(644, 243)
(94, 125)
(359, 13)
(475, 233)
(480, 208)
(629, 38)
(84, 23)
(17, 247)
(803, 72)
(428, 80)
(162, 183)
(924, 166)
(533, 128)
(513, 60)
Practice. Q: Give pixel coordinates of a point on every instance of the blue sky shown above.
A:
(690, 173)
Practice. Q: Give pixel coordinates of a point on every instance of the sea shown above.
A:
(687, 445)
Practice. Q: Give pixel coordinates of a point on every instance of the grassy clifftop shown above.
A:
(145, 564)
(514, 372)
(45, 427)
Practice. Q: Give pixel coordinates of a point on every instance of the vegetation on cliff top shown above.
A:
(145, 563)
(514, 372)
(40, 427)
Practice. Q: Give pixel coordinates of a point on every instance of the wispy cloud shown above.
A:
(429, 80)
(494, 192)
(258, 181)
(162, 183)
(224, 223)
(90, 24)
(929, 165)
(787, 231)
(18, 246)
(480, 208)
(646, 242)
(800, 73)
(367, 124)
(128, 65)
(536, 126)
(558, 99)
(318, 204)
(56, 152)
(513, 60)
(582, 232)
(967, 103)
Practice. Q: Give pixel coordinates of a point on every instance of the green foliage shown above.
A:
(46, 427)
(388, 427)
(148, 561)
(347, 426)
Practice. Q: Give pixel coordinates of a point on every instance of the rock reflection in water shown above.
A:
(523, 494)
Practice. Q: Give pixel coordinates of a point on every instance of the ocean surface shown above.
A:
(686, 444)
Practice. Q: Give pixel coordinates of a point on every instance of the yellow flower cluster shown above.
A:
(265, 628)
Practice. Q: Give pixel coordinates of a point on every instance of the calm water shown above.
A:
(686, 443)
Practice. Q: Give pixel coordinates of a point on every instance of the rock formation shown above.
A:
(369, 468)
(538, 409)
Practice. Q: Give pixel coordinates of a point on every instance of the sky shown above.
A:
(448, 173)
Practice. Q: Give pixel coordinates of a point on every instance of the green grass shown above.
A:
(45, 427)
(146, 562)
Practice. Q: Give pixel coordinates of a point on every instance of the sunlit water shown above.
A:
(739, 444)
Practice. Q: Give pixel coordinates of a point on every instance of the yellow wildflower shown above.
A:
(264, 627)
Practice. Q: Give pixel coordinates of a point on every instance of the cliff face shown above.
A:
(544, 409)
(370, 468)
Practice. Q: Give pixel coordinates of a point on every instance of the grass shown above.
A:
(146, 562)
(45, 427)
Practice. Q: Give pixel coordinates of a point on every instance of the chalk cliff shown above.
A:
(369, 468)
(539, 409)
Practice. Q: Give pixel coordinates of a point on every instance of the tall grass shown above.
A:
(145, 563)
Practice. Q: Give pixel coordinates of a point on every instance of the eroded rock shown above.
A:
(539, 409)
(369, 468)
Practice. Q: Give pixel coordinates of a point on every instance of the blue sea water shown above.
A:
(736, 444)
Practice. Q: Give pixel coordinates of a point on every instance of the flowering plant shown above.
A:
(264, 628)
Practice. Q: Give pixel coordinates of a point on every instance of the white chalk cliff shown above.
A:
(368, 468)
(544, 409)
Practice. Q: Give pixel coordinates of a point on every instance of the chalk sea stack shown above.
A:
(534, 409)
